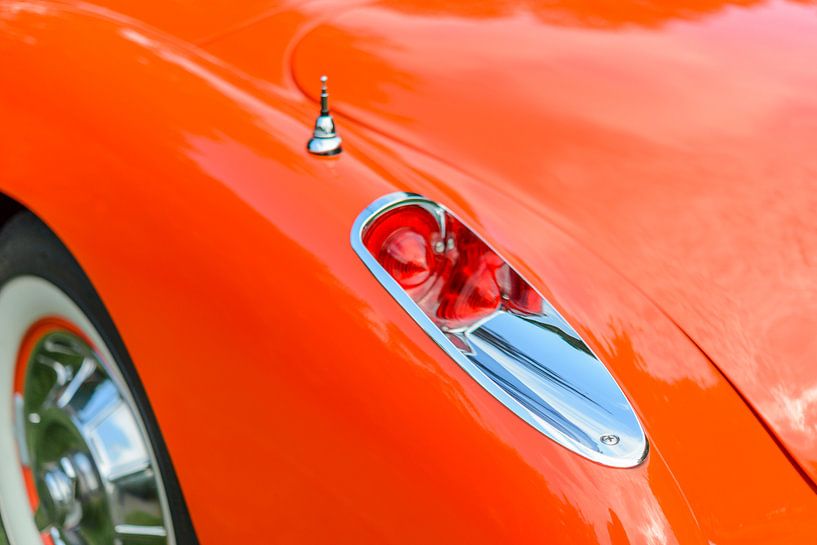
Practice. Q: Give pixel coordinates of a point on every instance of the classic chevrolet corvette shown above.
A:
(516, 272)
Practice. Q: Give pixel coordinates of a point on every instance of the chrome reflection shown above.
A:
(537, 365)
(81, 440)
(325, 139)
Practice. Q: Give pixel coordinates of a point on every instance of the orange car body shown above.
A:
(651, 168)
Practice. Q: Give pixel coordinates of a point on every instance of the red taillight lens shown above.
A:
(402, 241)
(449, 272)
(470, 290)
(517, 293)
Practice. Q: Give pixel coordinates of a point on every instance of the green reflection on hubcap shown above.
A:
(80, 435)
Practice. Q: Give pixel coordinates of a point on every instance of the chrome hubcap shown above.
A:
(88, 455)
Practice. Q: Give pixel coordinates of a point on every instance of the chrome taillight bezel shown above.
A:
(562, 411)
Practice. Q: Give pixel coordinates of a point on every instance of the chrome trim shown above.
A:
(536, 365)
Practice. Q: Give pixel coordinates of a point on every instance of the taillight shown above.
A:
(404, 243)
(448, 271)
(495, 325)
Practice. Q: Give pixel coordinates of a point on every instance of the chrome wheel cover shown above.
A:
(81, 444)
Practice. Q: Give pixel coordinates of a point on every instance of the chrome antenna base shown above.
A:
(325, 140)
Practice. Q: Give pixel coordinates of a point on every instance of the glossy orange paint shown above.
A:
(298, 401)
(680, 144)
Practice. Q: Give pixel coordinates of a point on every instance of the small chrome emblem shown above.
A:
(325, 139)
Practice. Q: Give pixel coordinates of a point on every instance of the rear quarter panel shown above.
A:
(298, 401)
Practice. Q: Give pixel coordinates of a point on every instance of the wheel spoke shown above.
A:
(139, 530)
(61, 346)
(140, 534)
(84, 373)
(63, 372)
